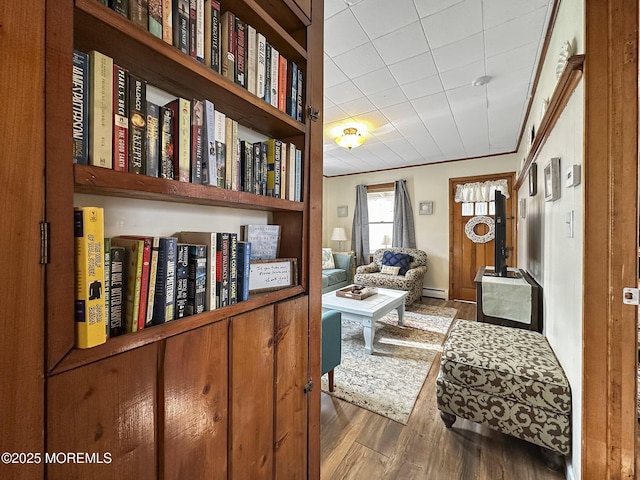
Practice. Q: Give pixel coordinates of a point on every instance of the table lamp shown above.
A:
(339, 235)
(386, 241)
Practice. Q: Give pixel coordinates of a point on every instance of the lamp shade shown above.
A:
(339, 234)
(350, 138)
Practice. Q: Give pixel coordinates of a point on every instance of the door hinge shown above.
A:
(313, 113)
(308, 387)
(631, 296)
(44, 243)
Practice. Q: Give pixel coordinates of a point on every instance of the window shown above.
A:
(380, 201)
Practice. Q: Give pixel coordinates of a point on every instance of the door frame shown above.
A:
(511, 176)
(610, 259)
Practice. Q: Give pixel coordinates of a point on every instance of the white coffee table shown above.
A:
(367, 311)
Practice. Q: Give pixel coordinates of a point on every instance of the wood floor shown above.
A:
(360, 445)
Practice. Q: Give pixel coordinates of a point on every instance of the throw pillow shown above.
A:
(397, 259)
(327, 259)
(389, 270)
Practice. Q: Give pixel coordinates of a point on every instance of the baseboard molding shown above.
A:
(435, 293)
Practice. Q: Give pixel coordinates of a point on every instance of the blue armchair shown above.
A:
(331, 343)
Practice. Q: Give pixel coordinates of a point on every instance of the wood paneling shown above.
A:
(611, 232)
(194, 393)
(105, 407)
(291, 403)
(251, 410)
(22, 206)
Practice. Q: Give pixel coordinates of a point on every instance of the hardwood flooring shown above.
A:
(360, 445)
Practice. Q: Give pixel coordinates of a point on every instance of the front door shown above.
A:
(466, 256)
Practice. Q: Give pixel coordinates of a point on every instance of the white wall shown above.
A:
(429, 182)
(544, 249)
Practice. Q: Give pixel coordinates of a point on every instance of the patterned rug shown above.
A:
(389, 381)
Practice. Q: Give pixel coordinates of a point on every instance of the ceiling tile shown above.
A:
(332, 74)
(462, 76)
(453, 24)
(430, 7)
(359, 61)
(342, 92)
(342, 33)
(333, 113)
(375, 81)
(460, 53)
(517, 58)
(496, 12)
(358, 106)
(404, 43)
(414, 68)
(520, 31)
(388, 97)
(378, 17)
(422, 87)
(331, 7)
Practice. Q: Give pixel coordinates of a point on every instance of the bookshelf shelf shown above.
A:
(102, 181)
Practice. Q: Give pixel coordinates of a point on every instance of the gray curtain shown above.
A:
(360, 229)
(404, 231)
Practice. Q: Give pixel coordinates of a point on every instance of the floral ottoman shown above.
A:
(507, 379)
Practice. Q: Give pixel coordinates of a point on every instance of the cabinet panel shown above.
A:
(195, 404)
(291, 403)
(251, 395)
(105, 407)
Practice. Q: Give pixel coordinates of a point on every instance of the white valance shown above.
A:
(481, 191)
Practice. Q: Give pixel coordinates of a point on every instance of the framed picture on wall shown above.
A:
(533, 179)
(552, 180)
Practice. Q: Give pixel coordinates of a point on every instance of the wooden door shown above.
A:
(106, 407)
(195, 393)
(465, 256)
(292, 373)
(251, 363)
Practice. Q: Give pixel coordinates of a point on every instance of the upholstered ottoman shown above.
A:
(507, 379)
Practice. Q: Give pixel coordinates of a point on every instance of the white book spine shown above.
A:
(200, 30)
(275, 61)
(210, 144)
(251, 59)
(260, 67)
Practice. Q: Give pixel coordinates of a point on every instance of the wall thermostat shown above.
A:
(573, 176)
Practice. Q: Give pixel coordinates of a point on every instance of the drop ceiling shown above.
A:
(404, 69)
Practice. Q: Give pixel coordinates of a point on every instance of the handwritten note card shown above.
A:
(272, 274)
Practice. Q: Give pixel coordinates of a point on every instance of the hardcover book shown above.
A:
(181, 138)
(229, 150)
(222, 259)
(182, 265)
(107, 284)
(235, 157)
(292, 90)
(90, 317)
(153, 277)
(100, 110)
(227, 45)
(299, 177)
(80, 107)
(257, 168)
(165, 291)
(252, 58)
(212, 34)
(274, 77)
(137, 124)
(244, 270)
(197, 121)
(200, 30)
(299, 96)
(166, 143)
(181, 25)
(145, 281)
(152, 165)
(133, 252)
(221, 149)
(193, 16)
(117, 306)
(196, 279)
(267, 73)
(209, 168)
(138, 13)
(167, 21)
(283, 65)
(155, 17)
(264, 239)
(233, 268)
(120, 119)
(291, 171)
(210, 239)
(260, 64)
(246, 162)
(120, 6)
(240, 52)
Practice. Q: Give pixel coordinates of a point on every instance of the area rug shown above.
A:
(389, 381)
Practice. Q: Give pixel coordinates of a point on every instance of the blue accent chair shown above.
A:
(331, 343)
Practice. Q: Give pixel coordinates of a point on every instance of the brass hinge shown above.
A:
(44, 243)
(308, 387)
(313, 113)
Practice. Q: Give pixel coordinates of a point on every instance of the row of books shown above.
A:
(116, 126)
(128, 283)
(224, 43)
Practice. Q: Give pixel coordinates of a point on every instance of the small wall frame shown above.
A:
(426, 208)
(268, 275)
(343, 210)
(533, 179)
(552, 180)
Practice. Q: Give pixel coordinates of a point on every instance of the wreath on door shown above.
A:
(470, 227)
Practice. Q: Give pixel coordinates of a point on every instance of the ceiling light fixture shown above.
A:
(480, 81)
(350, 138)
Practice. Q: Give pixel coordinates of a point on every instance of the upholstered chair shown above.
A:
(331, 343)
(409, 277)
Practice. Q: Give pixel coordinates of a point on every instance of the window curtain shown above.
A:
(404, 231)
(360, 229)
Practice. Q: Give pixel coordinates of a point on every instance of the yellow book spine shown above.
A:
(89, 265)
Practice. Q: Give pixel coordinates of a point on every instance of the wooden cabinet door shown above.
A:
(106, 408)
(251, 370)
(195, 404)
(292, 373)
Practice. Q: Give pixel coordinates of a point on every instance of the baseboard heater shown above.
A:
(435, 293)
